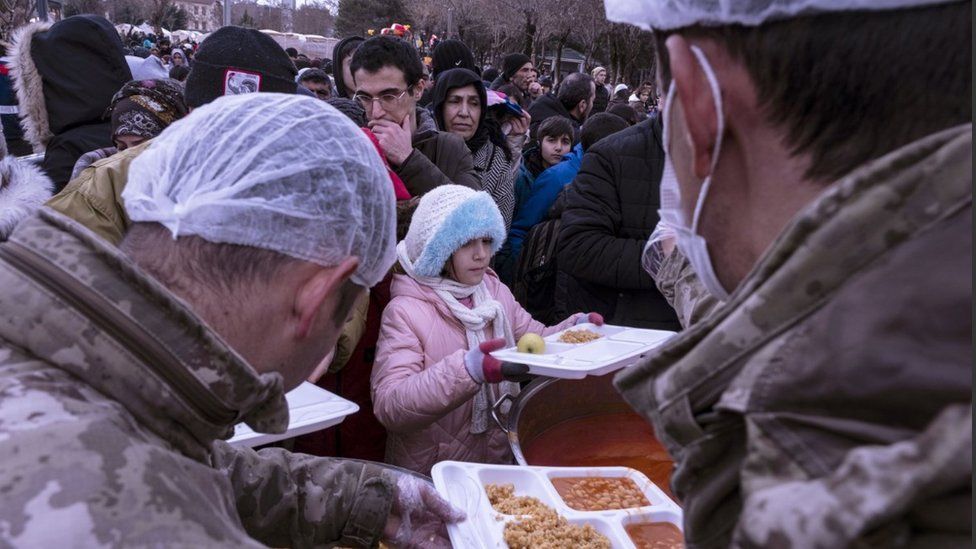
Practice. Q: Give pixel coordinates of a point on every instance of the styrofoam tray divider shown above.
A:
(463, 484)
(619, 347)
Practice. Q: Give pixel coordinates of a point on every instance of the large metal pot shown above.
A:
(558, 422)
(547, 402)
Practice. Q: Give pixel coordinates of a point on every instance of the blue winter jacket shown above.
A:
(531, 210)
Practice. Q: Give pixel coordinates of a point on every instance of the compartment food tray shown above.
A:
(463, 484)
(619, 347)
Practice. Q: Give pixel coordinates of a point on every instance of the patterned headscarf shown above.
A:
(146, 107)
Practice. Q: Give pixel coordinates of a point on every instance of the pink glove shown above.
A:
(590, 318)
(484, 368)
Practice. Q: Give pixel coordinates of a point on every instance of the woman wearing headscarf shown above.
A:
(141, 110)
(461, 107)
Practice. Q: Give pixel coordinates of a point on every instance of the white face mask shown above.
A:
(691, 243)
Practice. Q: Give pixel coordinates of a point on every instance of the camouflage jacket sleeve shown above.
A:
(680, 286)
(879, 496)
(298, 500)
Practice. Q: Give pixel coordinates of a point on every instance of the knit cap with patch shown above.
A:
(446, 219)
(234, 61)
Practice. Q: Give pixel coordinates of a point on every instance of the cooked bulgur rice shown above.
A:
(579, 336)
(539, 526)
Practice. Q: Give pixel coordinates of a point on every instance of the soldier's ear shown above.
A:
(319, 289)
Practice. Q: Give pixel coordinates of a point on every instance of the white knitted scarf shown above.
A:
(486, 312)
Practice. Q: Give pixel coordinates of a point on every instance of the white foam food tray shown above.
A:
(463, 484)
(310, 409)
(619, 347)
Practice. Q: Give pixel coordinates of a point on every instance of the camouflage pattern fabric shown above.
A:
(828, 402)
(113, 399)
(679, 285)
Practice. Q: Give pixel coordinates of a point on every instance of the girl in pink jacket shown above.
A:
(434, 379)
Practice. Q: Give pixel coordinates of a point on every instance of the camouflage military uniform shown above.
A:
(113, 396)
(828, 402)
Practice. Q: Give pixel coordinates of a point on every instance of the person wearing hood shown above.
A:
(461, 107)
(573, 101)
(140, 111)
(231, 61)
(386, 71)
(178, 58)
(65, 75)
(341, 58)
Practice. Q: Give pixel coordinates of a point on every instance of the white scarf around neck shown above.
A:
(486, 313)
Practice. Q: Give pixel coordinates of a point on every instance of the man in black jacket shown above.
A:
(611, 209)
(573, 101)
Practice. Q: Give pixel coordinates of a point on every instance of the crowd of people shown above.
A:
(212, 224)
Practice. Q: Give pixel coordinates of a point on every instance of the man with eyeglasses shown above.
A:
(387, 73)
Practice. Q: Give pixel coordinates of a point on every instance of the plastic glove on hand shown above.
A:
(590, 318)
(419, 516)
(484, 368)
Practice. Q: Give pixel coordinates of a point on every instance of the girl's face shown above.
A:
(462, 111)
(469, 263)
(554, 147)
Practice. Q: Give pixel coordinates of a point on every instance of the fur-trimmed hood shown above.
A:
(23, 189)
(65, 74)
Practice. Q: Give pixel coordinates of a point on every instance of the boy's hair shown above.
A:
(316, 76)
(599, 126)
(555, 126)
(387, 51)
(852, 86)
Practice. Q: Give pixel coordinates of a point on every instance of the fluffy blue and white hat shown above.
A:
(447, 218)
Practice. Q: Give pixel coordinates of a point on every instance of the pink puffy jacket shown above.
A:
(422, 393)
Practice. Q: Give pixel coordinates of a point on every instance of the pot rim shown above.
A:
(511, 420)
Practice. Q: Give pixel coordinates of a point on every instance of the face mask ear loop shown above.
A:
(716, 95)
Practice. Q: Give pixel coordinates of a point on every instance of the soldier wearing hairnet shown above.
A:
(257, 221)
(818, 189)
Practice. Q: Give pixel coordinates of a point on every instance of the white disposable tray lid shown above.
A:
(620, 346)
(462, 484)
(310, 409)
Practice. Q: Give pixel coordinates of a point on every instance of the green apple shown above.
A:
(532, 344)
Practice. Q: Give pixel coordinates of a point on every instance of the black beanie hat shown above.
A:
(235, 60)
(451, 54)
(512, 63)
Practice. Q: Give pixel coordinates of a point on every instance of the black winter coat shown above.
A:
(79, 65)
(547, 106)
(602, 99)
(610, 211)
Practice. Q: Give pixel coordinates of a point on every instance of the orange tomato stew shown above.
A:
(599, 493)
(655, 535)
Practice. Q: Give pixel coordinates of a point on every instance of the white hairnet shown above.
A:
(674, 14)
(282, 172)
